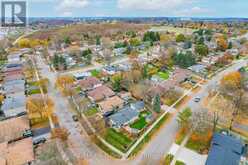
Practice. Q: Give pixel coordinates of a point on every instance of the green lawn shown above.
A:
(34, 91)
(164, 75)
(139, 124)
(144, 113)
(197, 145)
(95, 73)
(118, 140)
(168, 159)
(91, 112)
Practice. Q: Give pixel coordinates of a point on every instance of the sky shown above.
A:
(138, 8)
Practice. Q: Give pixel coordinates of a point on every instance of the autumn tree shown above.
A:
(39, 108)
(222, 43)
(232, 87)
(64, 84)
(60, 133)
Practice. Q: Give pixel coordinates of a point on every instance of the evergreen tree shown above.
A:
(157, 104)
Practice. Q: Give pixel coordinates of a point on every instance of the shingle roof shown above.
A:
(225, 150)
(111, 103)
(17, 153)
(124, 116)
(100, 93)
(89, 82)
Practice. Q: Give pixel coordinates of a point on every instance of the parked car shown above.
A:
(39, 141)
(27, 133)
(197, 99)
(75, 118)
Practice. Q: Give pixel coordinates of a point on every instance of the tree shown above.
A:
(134, 42)
(151, 36)
(201, 121)
(183, 118)
(180, 38)
(64, 83)
(67, 40)
(222, 43)
(232, 87)
(60, 133)
(230, 45)
(201, 50)
(24, 43)
(39, 108)
(184, 60)
(98, 40)
(157, 104)
(116, 82)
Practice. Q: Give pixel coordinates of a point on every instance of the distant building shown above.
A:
(225, 150)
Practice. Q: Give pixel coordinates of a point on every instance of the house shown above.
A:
(12, 129)
(81, 75)
(13, 77)
(138, 106)
(12, 87)
(14, 58)
(110, 104)
(14, 105)
(123, 117)
(225, 150)
(89, 83)
(198, 68)
(125, 95)
(233, 52)
(111, 70)
(119, 51)
(100, 93)
(17, 153)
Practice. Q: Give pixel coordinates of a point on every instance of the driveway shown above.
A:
(187, 156)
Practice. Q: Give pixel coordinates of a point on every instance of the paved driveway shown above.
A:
(187, 156)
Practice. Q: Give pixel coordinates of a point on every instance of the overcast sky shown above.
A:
(138, 8)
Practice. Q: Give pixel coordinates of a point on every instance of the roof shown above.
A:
(124, 116)
(101, 93)
(13, 128)
(197, 68)
(89, 82)
(13, 87)
(13, 102)
(17, 153)
(225, 150)
(139, 105)
(14, 77)
(111, 103)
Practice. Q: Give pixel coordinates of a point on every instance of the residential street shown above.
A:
(153, 151)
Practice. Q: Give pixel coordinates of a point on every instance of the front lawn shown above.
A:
(139, 124)
(118, 139)
(198, 146)
(164, 75)
(34, 91)
(91, 112)
(95, 73)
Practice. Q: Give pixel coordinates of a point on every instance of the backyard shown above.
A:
(118, 140)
